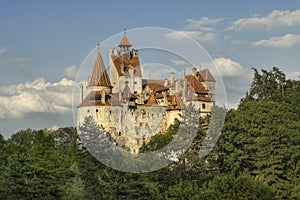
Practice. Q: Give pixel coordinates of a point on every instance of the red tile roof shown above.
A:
(207, 99)
(195, 82)
(94, 99)
(192, 97)
(134, 62)
(152, 99)
(207, 76)
(175, 103)
(156, 81)
(156, 87)
(99, 75)
(125, 41)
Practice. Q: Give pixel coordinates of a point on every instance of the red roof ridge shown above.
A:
(94, 99)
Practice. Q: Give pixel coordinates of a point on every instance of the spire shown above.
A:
(125, 42)
(152, 99)
(99, 75)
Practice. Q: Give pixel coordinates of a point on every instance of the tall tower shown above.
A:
(210, 83)
(125, 67)
(97, 102)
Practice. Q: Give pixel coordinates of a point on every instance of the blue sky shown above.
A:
(43, 43)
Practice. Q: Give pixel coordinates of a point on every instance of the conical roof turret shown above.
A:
(125, 42)
(99, 75)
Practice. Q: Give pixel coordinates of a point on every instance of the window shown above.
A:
(97, 110)
(202, 95)
(120, 133)
(88, 111)
(203, 106)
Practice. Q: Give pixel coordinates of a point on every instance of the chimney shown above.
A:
(116, 52)
(166, 83)
(194, 71)
(177, 86)
(103, 97)
(80, 93)
(172, 74)
(184, 91)
(135, 52)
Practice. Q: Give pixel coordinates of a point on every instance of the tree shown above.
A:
(261, 137)
(268, 85)
(227, 186)
(160, 140)
(183, 190)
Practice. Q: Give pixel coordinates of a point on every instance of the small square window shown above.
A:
(97, 110)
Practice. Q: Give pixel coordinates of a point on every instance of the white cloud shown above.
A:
(293, 75)
(156, 71)
(71, 71)
(54, 128)
(203, 24)
(285, 41)
(37, 96)
(228, 67)
(180, 62)
(3, 50)
(276, 18)
(197, 35)
(239, 42)
(19, 60)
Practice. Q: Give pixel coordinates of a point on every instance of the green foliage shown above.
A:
(35, 167)
(183, 190)
(160, 140)
(229, 187)
(262, 137)
(268, 85)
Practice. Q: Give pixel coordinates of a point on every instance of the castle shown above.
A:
(133, 109)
